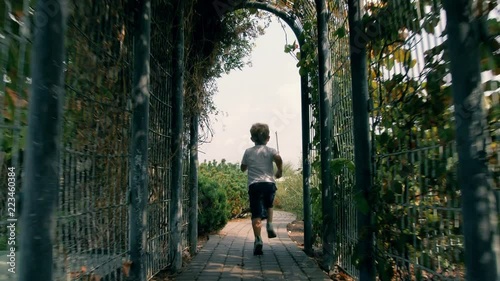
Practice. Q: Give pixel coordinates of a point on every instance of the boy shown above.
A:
(258, 160)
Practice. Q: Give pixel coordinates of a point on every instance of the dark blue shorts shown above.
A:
(261, 198)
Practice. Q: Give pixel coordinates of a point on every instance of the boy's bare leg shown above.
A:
(270, 229)
(269, 215)
(257, 225)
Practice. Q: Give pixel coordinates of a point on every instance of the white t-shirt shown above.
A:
(259, 160)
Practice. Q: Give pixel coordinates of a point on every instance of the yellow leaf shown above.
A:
(400, 55)
(413, 63)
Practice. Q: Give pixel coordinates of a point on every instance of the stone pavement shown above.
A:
(229, 256)
(5, 275)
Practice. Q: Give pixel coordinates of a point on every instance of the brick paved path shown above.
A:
(229, 256)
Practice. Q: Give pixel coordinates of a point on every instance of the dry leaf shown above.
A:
(18, 14)
(18, 102)
(126, 268)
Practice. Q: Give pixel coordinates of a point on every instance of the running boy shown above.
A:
(258, 160)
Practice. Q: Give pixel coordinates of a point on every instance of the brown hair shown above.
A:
(260, 133)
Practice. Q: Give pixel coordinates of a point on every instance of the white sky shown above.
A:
(268, 92)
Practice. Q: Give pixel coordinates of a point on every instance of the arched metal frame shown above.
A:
(296, 26)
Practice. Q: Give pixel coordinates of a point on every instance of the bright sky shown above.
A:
(268, 92)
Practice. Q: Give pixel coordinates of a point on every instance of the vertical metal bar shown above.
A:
(193, 184)
(362, 149)
(325, 119)
(482, 253)
(177, 146)
(306, 163)
(41, 182)
(139, 142)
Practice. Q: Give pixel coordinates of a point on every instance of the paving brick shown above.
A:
(230, 279)
(230, 257)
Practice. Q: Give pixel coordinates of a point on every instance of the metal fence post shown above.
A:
(41, 181)
(139, 143)
(193, 184)
(306, 163)
(177, 132)
(482, 253)
(362, 149)
(325, 118)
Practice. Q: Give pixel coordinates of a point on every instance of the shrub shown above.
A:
(289, 196)
(213, 206)
(232, 180)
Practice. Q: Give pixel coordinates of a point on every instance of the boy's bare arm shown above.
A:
(243, 167)
(279, 164)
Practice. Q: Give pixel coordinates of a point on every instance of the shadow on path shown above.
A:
(229, 256)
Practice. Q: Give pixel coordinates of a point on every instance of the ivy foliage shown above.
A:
(413, 133)
(17, 56)
(412, 124)
(216, 44)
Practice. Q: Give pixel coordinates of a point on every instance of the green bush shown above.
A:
(289, 196)
(232, 180)
(213, 206)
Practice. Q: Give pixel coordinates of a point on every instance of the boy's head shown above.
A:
(260, 133)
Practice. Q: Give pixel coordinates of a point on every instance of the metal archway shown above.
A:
(296, 26)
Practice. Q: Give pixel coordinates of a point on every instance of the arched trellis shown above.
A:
(296, 26)
(325, 120)
(325, 103)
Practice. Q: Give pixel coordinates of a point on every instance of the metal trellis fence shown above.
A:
(417, 215)
(342, 140)
(418, 224)
(93, 214)
(93, 210)
(160, 115)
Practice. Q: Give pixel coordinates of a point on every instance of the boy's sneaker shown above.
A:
(257, 246)
(270, 230)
